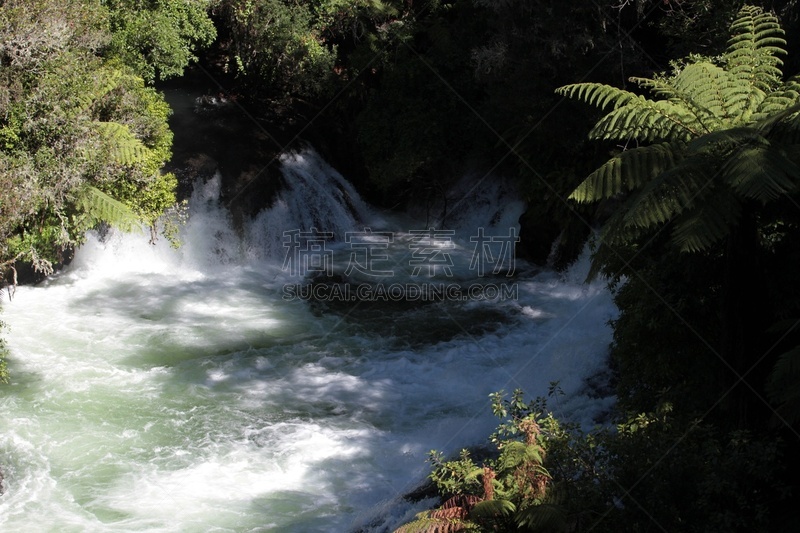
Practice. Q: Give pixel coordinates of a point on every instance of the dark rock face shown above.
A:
(546, 241)
(242, 139)
(537, 233)
(216, 133)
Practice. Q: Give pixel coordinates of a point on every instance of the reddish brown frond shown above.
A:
(465, 501)
(451, 513)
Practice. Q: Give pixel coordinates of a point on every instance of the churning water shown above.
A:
(156, 389)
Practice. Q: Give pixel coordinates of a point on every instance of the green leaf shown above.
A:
(761, 172)
(718, 97)
(752, 55)
(669, 194)
(491, 509)
(123, 146)
(648, 120)
(597, 94)
(708, 223)
(515, 453)
(628, 171)
(96, 206)
(103, 81)
(543, 517)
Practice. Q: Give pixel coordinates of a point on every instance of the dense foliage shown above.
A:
(689, 174)
(721, 135)
(158, 38)
(82, 137)
(294, 49)
(717, 166)
(650, 472)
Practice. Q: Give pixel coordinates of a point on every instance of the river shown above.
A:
(162, 389)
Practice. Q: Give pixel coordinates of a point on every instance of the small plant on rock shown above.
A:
(512, 490)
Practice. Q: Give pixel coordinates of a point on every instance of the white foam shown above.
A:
(174, 390)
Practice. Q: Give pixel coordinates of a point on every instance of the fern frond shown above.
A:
(659, 88)
(783, 125)
(543, 517)
(123, 145)
(669, 194)
(515, 453)
(760, 69)
(753, 49)
(697, 88)
(778, 105)
(449, 513)
(449, 517)
(722, 143)
(627, 171)
(787, 131)
(707, 223)
(648, 120)
(461, 500)
(104, 81)
(491, 509)
(757, 30)
(717, 91)
(617, 232)
(792, 84)
(761, 172)
(426, 524)
(96, 206)
(597, 94)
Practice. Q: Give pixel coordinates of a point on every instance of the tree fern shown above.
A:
(628, 171)
(753, 49)
(103, 82)
(597, 94)
(713, 135)
(451, 516)
(489, 510)
(708, 223)
(123, 145)
(95, 206)
(544, 517)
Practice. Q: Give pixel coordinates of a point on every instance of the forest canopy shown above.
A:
(83, 136)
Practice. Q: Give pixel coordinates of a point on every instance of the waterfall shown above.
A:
(481, 201)
(160, 389)
(314, 196)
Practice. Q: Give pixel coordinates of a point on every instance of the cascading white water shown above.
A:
(177, 390)
(315, 196)
(480, 201)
